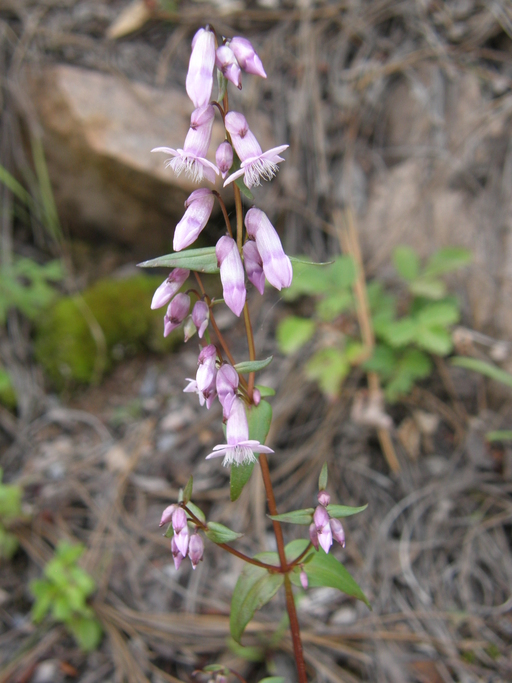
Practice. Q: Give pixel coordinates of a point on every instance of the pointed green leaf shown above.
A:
(400, 332)
(202, 260)
(196, 511)
(446, 260)
(259, 418)
(273, 679)
(218, 533)
(222, 84)
(499, 435)
(440, 314)
(322, 479)
(293, 332)
(187, 491)
(265, 391)
(254, 588)
(339, 511)
(328, 367)
(251, 653)
(434, 339)
(87, 632)
(295, 517)
(303, 260)
(406, 262)
(253, 365)
(244, 189)
(428, 288)
(487, 369)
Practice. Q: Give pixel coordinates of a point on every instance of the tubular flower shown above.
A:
(201, 317)
(199, 207)
(207, 396)
(207, 370)
(246, 56)
(224, 158)
(338, 532)
(254, 163)
(276, 265)
(192, 158)
(225, 61)
(324, 498)
(227, 384)
(231, 273)
(254, 265)
(177, 556)
(199, 82)
(323, 528)
(169, 287)
(177, 311)
(239, 449)
(195, 549)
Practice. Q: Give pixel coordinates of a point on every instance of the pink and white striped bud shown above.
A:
(313, 535)
(226, 62)
(177, 311)
(276, 265)
(254, 265)
(182, 539)
(323, 528)
(167, 514)
(224, 158)
(201, 317)
(199, 82)
(237, 427)
(227, 384)
(304, 579)
(195, 549)
(199, 209)
(169, 287)
(246, 56)
(337, 531)
(207, 370)
(177, 556)
(324, 498)
(189, 329)
(231, 274)
(256, 397)
(179, 519)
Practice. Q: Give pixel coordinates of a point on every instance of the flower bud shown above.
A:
(320, 517)
(256, 397)
(323, 528)
(324, 498)
(201, 317)
(176, 313)
(227, 384)
(189, 328)
(179, 519)
(224, 157)
(313, 535)
(169, 287)
(199, 207)
(276, 265)
(199, 82)
(338, 531)
(304, 579)
(167, 514)
(231, 274)
(195, 549)
(177, 556)
(182, 538)
(254, 265)
(246, 56)
(206, 371)
(226, 62)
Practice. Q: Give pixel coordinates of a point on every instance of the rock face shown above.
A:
(98, 134)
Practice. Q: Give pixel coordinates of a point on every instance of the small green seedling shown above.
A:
(10, 509)
(64, 592)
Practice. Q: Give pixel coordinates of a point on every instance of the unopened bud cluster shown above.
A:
(183, 543)
(325, 528)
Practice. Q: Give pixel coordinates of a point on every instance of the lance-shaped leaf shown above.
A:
(254, 588)
(322, 479)
(253, 365)
(295, 517)
(259, 418)
(218, 533)
(339, 511)
(323, 570)
(201, 260)
(265, 391)
(197, 512)
(187, 491)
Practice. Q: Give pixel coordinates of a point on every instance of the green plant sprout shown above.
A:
(404, 339)
(64, 592)
(10, 509)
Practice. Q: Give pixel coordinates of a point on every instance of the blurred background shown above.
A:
(392, 364)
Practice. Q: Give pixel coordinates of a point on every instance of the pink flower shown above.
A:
(227, 384)
(177, 311)
(181, 539)
(304, 579)
(246, 56)
(239, 449)
(199, 207)
(226, 62)
(207, 369)
(192, 158)
(231, 274)
(224, 157)
(169, 287)
(195, 549)
(324, 498)
(207, 396)
(276, 265)
(254, 265)
(313, 535)
(255, 163)
(167, 514)
(199, 82)
(201, 317)
(338, 532)
(177, 556)
(323, 527)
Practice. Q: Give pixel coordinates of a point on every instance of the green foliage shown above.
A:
(487, 369)
(10, 509)
(64, 592)
(404, 340)
(218, 533)
(323, 477)
(201, 260)
(304, 516)
(253, 365)
(65, 345)
(7, 393)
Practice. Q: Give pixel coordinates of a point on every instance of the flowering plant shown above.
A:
(255, 254)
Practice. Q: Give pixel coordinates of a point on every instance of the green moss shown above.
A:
(65, 345)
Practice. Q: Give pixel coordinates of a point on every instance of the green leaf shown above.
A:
(446, 260)
(329, 308)
(412, 365)
(196, 511)
(44, 597)
(406, 262)
(487, 369)
(434, 339)
(304, 260)
(323, 570)
(244, 189)
(440, 314)
(383, 361)
(399, 333)
(187, 491)
(322, 479)
(218, 533)
(253, 365)
(61, 609)
(308, 280)
(259, 419)
(202, 260)
(293, 332)
(254, 588)
(69, 553)
(87, 632)
(251, 653)
(265, 391)
(272, 679)
(428, 288)
(499, 435)
(295, 517)
(343, 273)
(328, 367)
(339, 511)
